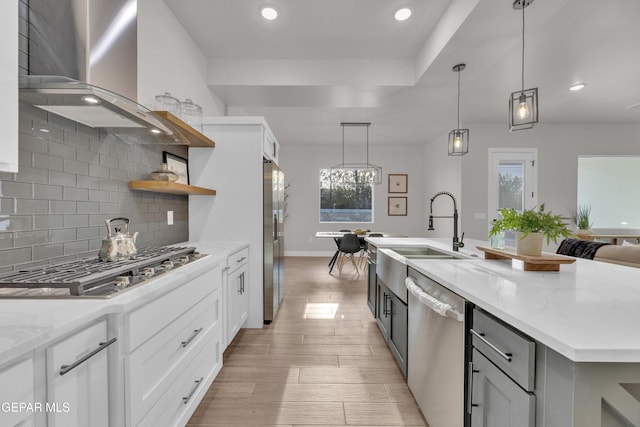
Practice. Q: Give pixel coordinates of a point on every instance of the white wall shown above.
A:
(169, 60)
(302, 164)
(559, 146)
(442, 173)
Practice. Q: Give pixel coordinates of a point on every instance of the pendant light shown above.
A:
(523, 104)
(370, 173)
(458, 138)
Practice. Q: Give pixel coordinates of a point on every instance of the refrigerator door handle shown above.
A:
(275, 227)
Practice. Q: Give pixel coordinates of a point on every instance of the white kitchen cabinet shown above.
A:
(237, 309)
(270, 147)
(235, 169)
(9, 85)
(78, 378)
(17, 386)
(173, 340)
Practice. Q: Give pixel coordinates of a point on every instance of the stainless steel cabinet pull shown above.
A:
(506, 356)
(241, 259)
(101, 346)
(470, 403)
(191, 338)
(193, 390)
(385, 310)
(243, 282)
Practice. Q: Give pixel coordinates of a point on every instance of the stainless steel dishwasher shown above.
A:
(436, 353)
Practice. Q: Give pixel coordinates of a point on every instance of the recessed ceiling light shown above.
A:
(269, 13)
(576, 87)
(403, 14)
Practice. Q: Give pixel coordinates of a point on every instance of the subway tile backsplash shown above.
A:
(71, 179)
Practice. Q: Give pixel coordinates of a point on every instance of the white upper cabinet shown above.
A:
(9, 86)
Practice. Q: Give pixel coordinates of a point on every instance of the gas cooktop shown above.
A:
(93, 278)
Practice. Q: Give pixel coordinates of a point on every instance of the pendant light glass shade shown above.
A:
(523, 104)
(458, 142)
(523, 109)
(367, 172)
(458, 138)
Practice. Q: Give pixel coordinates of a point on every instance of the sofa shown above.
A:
(625, 254)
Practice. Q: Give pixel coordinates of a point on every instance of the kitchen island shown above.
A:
(584, 318)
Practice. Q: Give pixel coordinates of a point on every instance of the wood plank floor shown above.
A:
(322, 362)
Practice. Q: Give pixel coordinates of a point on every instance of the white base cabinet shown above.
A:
(237, 284)
(78, 379)
(17, 385)
(145, 366)
(174, 352)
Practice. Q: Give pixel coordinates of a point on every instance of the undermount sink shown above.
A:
(422, 252)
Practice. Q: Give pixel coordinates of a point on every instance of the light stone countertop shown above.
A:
(26, 324)
(589, 311)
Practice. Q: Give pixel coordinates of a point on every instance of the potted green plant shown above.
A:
(581, 220)
(531, 226)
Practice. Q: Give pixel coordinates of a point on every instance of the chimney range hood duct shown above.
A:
(107, 30)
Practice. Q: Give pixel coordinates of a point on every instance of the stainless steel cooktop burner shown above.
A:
(93, 278)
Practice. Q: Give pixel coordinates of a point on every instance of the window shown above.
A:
(346, 195)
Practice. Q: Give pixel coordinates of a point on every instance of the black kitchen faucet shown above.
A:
(457, 244)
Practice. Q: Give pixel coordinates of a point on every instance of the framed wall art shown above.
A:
(398, 183)
(178, 165)
(397, 206)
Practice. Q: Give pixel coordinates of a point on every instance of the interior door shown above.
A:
(513, 183)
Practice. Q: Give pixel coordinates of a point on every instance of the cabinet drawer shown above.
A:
(510, 350)
(155, 365)
(155, 316)
(20, 377)
(178, 403)
(238, 259)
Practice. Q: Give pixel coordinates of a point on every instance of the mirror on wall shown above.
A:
(610, 185)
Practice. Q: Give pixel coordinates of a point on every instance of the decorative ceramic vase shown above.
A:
(531, 245)
(585, 234)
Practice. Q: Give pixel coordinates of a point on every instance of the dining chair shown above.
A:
(349, 246)
(332, 263)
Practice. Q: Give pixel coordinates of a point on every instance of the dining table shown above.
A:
(337, 235)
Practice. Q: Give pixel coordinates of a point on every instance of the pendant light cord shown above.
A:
(458, 99)
(342, 145)
(523, 8)
(367, 146)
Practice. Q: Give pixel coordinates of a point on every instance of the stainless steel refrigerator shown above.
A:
(273, 239)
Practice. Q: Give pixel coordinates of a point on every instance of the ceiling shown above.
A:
(328, 61)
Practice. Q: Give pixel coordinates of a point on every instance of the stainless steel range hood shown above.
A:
(88, 40)
(97, 108)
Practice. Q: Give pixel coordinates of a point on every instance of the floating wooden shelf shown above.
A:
(170, 188)
(195, 138)
(546, 262)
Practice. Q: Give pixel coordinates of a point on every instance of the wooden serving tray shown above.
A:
(546, 262)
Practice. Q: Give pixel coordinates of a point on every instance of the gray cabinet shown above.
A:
(383, 313)
(392, 320)
(501, 375)
(397, 338)
(372, 289)
(497, 400)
